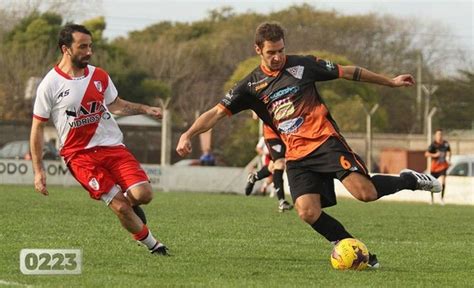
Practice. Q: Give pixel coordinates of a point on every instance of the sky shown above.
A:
(123, 16)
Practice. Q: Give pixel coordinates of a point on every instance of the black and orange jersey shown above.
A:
(439, 163)
(269, 133)
(289, 102)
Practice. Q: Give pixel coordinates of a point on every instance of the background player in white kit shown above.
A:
(79, 99)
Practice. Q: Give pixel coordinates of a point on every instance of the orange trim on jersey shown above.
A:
(222, 107)
(340, 70)
(142, 234)
(42, 119)
(67, 76)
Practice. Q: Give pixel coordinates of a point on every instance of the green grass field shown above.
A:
(220, 240)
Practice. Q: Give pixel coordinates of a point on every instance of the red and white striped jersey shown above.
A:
(78, 109)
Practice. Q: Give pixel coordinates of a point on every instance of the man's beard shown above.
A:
(76, 61)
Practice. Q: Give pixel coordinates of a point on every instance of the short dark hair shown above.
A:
(269, 31)
(65, 35)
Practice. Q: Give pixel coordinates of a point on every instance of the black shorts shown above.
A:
(276, 147)
(439, 173)
(315, 173)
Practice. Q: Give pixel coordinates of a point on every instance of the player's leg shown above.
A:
(309, 205)
(365, 189)
(309, 210)
(138, 195)
(277, 150)
(360, 187)
(122, 208)
(253, 177)
(442, 180)
(278, 169)
(132, 179)
(127, 172)
(354, 175)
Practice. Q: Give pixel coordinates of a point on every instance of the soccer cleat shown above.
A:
(140, 213)
(160, 250)
(373, 262)
(250, 184)
(423, 181)
(284, 206)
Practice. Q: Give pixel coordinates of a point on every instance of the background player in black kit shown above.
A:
(440, 153)
(282, 91)
(277, 150)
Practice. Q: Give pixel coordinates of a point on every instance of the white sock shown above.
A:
(149, 241)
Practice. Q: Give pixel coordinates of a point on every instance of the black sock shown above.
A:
(330, 228)
(278, 183)
(442, 191)
(386, 185)
(140, 213)
(262, 173)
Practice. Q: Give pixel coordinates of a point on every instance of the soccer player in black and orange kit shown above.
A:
(440, 153)
(282, 92)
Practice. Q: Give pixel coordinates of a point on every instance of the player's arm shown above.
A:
(36, 146)
(433, 155)
(122, 107)
(432, 152)
(448, 156)
(356, 73)
(203, 123)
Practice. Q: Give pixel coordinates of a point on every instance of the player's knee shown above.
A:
(365, 194)
(122, 208)
(368, 197)
(146, 196)
(309, 214)
(142, 194)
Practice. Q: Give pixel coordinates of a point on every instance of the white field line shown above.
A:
(4, 282)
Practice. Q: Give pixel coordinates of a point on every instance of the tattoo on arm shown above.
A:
(357, 73)
(132, 109)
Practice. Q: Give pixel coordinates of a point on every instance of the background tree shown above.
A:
(191, 62)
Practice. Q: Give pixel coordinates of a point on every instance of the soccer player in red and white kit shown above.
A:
(79, 99)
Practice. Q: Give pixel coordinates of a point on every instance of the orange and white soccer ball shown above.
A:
(349, 254)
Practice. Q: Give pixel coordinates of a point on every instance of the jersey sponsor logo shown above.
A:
(282, 109)
(94, 184)
(63, 94)
(261, 86)
(290, 126)
(88, 115)
(98, 85)
(292, 90)
(296, 71)
(277, 148)
(85, 121)
(250, 84)
(94, 107)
